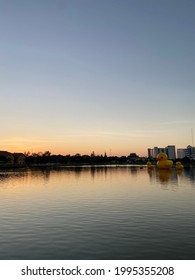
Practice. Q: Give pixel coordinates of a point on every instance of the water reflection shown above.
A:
(134, 170)
(165, 175)
(190, 173)
(155, 175)
(103, 212)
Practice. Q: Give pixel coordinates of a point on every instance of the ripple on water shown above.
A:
(117, 214)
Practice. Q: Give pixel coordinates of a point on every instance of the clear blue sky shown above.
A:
(96, 75)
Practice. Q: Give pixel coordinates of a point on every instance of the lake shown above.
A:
(103, 212)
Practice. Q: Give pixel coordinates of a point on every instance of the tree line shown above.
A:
(78, 159)
(48, 158)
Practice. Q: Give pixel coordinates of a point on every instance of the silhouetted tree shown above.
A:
(47, 154)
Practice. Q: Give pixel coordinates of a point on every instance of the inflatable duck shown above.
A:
(163, 162)
(179, 166)
(149, 165)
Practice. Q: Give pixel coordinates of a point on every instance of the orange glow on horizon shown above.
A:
(85, 144)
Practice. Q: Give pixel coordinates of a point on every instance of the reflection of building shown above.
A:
(169, 150)
(7, 158)
(186, 152)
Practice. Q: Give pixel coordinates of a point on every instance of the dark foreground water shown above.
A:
(97, 213)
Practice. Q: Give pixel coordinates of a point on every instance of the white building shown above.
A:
(190, 152)
(181, 153)
(155, 152)
(186, 152)
(170, 151)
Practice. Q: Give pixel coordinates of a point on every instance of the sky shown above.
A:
(114, 76)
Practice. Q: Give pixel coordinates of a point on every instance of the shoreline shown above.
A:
(57, 165)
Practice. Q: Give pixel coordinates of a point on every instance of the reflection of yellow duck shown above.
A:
(179, 166)
(164, 175)
(163, 162)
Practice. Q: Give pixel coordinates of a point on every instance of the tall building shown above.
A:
(181, 153)
(170, 151)
(150, 153)
(189, 152)
(155, 152)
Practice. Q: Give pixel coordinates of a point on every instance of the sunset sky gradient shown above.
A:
(115, 76)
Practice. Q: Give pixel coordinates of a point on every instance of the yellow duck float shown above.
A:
(179, 166)
(149, 165)
(163, 162)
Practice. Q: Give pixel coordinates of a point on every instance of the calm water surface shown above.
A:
(123, 212)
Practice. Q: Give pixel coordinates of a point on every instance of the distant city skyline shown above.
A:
(172, 152)
(103, 75)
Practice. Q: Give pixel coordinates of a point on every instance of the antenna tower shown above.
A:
(192, 138)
